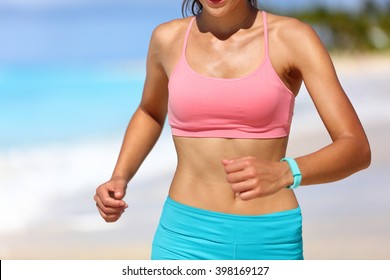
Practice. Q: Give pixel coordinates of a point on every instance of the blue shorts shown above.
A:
(189, 233)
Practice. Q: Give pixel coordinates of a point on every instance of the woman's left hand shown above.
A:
(252, 177)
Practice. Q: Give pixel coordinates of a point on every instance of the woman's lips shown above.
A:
(215, 1)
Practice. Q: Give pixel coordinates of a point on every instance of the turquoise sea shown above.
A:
(57, 103)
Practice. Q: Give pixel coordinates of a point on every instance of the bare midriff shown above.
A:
(200, 180)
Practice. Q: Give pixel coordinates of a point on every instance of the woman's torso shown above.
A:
(200, 179)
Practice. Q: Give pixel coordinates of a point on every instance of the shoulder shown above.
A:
(166, 43)
(297, 40)
(166, 34)
(291, 30)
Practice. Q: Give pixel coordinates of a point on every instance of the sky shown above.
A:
(47, 31)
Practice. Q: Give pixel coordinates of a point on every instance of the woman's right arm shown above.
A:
(141, 135)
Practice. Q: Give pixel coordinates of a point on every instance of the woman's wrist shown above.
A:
(120, 177)
(123, 171)
(287, 179)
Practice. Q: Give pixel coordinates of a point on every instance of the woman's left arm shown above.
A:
(349, 151)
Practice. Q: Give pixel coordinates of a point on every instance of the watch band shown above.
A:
(295, 172)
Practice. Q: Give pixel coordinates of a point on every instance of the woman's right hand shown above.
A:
(109, 199)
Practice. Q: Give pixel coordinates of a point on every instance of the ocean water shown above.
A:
(61, 128)
(54, 103)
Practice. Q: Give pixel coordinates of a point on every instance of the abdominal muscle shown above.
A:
(200, 179)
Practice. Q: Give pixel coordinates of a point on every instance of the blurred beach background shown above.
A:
(71, 75)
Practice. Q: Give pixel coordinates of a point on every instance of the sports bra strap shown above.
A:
(187, 35)
(265, 24)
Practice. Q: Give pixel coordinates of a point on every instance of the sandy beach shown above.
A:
(54, 217)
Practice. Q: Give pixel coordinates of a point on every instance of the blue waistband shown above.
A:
(222, 227)
(200, 211)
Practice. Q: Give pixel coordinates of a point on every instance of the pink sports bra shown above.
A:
(255, 106)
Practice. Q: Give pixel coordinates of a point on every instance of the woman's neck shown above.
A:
(224, 26)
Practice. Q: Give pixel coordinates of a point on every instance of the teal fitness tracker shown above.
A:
(295, 172)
